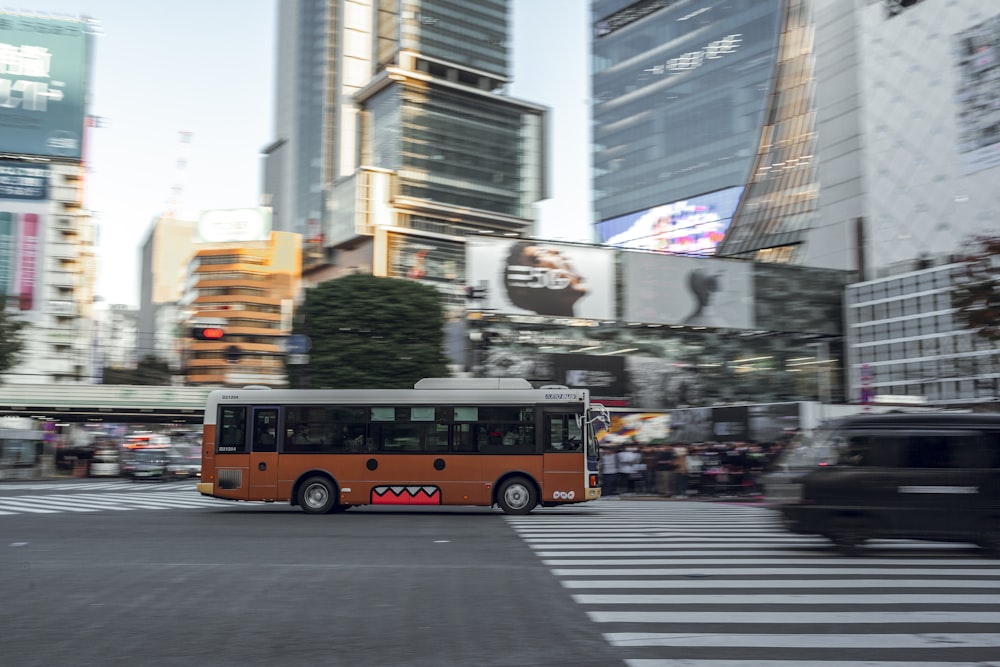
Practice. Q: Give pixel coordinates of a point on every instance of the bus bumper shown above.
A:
(592, 494)
(206, 488)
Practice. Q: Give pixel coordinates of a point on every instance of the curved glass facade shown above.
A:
(681, 95)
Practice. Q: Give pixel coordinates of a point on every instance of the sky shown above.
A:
(207, 68)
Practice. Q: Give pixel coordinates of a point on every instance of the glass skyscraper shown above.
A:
(395, 139)
(703, 126)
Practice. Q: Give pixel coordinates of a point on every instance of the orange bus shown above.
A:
(447, 441)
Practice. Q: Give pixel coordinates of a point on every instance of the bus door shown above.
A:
(564, 441)
(263, 473)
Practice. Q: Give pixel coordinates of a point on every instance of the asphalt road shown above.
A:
(112, 573)
(232, 584)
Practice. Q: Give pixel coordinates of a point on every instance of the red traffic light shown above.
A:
(208, 333)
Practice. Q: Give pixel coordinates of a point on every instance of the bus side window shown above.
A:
(463, 438)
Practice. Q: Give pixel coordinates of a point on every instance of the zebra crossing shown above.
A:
(110, 496)
(700, 584)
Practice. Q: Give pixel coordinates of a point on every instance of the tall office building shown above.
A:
(703, 126)
(166, 252)
(394, 138)
(243, 278)
(47, 237)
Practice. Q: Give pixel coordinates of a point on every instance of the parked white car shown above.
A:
(105, 463)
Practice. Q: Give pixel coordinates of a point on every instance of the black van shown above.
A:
(929, 476)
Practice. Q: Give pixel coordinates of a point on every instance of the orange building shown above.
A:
(248, 288)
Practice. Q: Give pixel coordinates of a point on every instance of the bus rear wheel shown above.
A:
(316, 496)
(517, 496)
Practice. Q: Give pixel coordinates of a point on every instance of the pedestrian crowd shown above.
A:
(684, 470)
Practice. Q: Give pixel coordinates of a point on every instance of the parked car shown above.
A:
(185, 462)
(104, 463)
(150, 464)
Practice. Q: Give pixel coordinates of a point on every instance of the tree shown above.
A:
(370, 332)
(150, 370)
(11, 344)
(976, 294)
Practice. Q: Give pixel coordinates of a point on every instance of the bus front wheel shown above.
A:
(316, 496)
(517, 496)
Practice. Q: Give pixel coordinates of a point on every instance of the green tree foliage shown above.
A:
(976, 294)
(150, 370)
(10, 340)
(370, 332)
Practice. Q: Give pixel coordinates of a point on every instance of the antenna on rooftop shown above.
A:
(183, 149)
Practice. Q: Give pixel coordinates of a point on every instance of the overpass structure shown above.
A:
(113, 403)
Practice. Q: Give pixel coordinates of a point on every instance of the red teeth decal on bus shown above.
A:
(406, 495)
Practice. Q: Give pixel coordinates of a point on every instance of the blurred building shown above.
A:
(849, 135)
(47, 238)
(244, 278)
(165, 255)
(394, 138)
(118, 329)
(716, 123)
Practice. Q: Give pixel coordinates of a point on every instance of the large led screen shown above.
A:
(977, 58)
(693, 226)
(43, 74)
(692, 291)
(538, 278)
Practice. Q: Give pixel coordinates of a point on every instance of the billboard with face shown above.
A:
(538, 278)
(669, 289)
(43, 75)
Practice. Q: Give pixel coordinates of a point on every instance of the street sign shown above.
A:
(298, 344)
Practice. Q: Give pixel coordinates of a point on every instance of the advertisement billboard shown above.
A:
(693, 226)
(604, 375)
(692, 291)
(421, 258)
(43, 79)
(233, 225)
(538, 278)
(977, 60)
(24, 180)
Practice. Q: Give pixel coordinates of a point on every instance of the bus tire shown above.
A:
(316, 495)
(517, 495)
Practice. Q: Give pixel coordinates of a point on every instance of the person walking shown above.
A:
(665, 471)
(609, 471)
(680, 473)
(628, 464)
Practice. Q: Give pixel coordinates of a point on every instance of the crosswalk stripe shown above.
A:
(4, 503)
(692, 599)
(806, 584)
(923, 641)
(887, 569)
(45, 502)
(687, 662)
(764, 617)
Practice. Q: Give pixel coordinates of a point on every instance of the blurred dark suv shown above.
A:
(928, 476)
